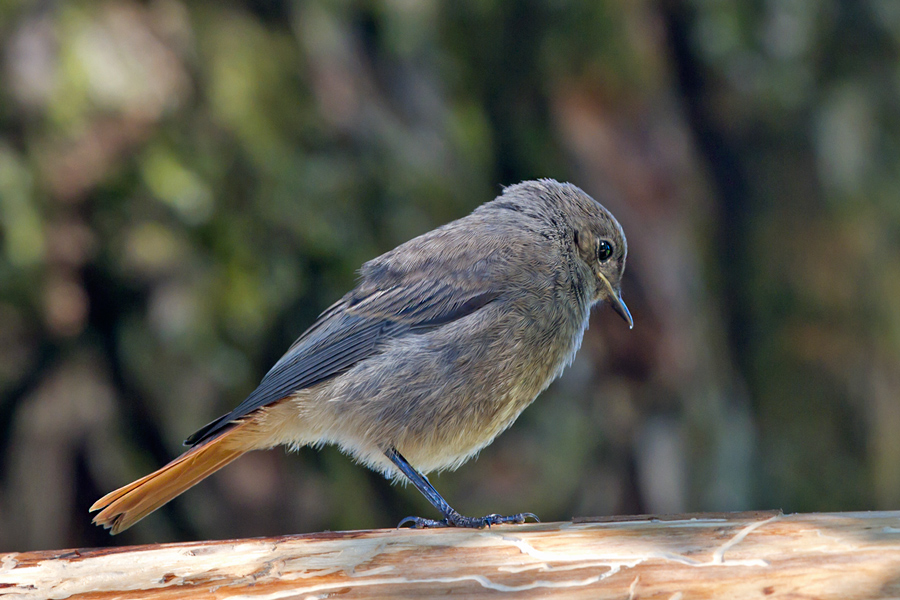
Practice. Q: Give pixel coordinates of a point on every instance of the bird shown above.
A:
(439, 347)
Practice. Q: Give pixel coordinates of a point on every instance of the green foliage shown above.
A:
(185, 186)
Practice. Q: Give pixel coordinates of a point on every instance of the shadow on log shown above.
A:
(721, 555)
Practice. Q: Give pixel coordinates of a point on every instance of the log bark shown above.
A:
(729, 555)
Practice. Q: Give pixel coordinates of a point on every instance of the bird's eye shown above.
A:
(604, 250)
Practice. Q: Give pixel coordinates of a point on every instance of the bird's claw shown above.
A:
(420, 523)
(469, 522)
(501, 520)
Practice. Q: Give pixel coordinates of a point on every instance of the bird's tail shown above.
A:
(124, 507)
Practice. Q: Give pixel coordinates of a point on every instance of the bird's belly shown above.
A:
(439, 401)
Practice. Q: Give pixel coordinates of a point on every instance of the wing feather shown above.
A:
(342, 337)
(407, 291)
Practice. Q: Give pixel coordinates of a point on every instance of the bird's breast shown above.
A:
(441, 396)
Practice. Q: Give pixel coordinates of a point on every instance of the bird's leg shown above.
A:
(451, 517)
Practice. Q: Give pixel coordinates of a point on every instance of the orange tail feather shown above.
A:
(129, 504)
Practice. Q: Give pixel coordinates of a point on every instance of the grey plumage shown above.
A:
(445, 339)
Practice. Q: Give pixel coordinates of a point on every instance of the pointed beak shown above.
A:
(615, 300)
(618, 305)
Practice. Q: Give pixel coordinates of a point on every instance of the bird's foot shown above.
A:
(458, 520)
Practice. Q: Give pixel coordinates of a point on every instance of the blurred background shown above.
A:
(185, 186)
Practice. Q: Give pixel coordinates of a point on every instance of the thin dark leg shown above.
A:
(451, 517)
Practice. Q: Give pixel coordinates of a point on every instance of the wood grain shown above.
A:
(727, 555)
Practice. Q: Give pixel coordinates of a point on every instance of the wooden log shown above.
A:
(731, 555)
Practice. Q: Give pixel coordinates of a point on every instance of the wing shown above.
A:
(428, 282)
(352, 329)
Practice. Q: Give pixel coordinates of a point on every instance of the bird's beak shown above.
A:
(619, 306)
(615, 300)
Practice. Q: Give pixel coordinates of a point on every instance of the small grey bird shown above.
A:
(443, 343)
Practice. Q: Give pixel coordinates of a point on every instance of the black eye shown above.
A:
(604, 250)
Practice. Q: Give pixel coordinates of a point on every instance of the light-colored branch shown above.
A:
(731, 555)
